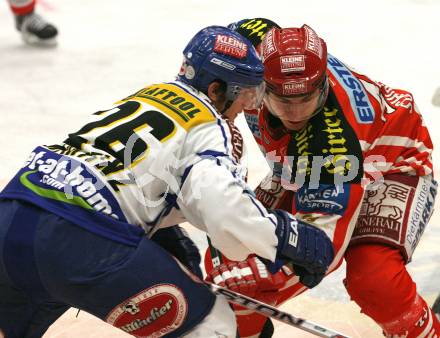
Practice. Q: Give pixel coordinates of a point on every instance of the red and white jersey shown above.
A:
(320, 173)
(365, 131)
(387, 123)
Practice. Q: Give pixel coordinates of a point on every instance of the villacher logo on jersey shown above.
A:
(154, 312)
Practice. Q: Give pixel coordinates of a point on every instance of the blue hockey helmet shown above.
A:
(218, 53)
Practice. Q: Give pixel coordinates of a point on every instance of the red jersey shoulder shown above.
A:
(371, 107)
(386, 120)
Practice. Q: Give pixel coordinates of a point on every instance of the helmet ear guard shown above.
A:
(218, 53)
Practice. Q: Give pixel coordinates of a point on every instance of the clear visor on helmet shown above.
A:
(250, 97)
(297, 108)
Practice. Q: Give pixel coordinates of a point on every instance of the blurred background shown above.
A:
(109, 49)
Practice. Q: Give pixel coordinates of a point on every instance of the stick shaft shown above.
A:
(273, 312)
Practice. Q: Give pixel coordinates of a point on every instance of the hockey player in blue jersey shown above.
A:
(78, 219)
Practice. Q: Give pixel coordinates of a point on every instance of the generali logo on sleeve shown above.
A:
(153, 313)
(229, 45)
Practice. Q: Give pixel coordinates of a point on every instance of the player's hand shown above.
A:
(303, 245)
(177, 242)
(250, 277)
(307, 278)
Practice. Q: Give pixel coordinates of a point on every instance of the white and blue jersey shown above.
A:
(156, 158)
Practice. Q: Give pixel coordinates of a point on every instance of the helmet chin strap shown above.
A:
(322, 98)
(228, 104)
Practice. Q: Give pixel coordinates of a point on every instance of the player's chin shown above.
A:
(232, 117)
(232, 112)
(294, 125)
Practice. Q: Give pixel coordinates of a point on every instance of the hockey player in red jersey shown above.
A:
(351, 156)
(34, 29)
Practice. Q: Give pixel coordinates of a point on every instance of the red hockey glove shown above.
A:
(250, 278)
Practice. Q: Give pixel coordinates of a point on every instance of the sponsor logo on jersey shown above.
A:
(360, 103)
(154, 312)
(292, 63)
(327, 198)
(186, 109)
(383, 211)
(395, 99)
(229, 45)
(421, 211)
(337, 161)
(269, 191)
(66, 180)
(396, 212)
(236, 141)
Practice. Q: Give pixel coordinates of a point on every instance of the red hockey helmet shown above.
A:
(295, 61)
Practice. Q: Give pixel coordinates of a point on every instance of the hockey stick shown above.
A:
(273, 312)
(265, 309)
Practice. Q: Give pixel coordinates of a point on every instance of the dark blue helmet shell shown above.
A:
(218, 53)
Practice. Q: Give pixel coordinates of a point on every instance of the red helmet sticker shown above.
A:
(313, 43)
(268, 46)
(154, 312)
(294, 87)
(292, 63)
(229, 45)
